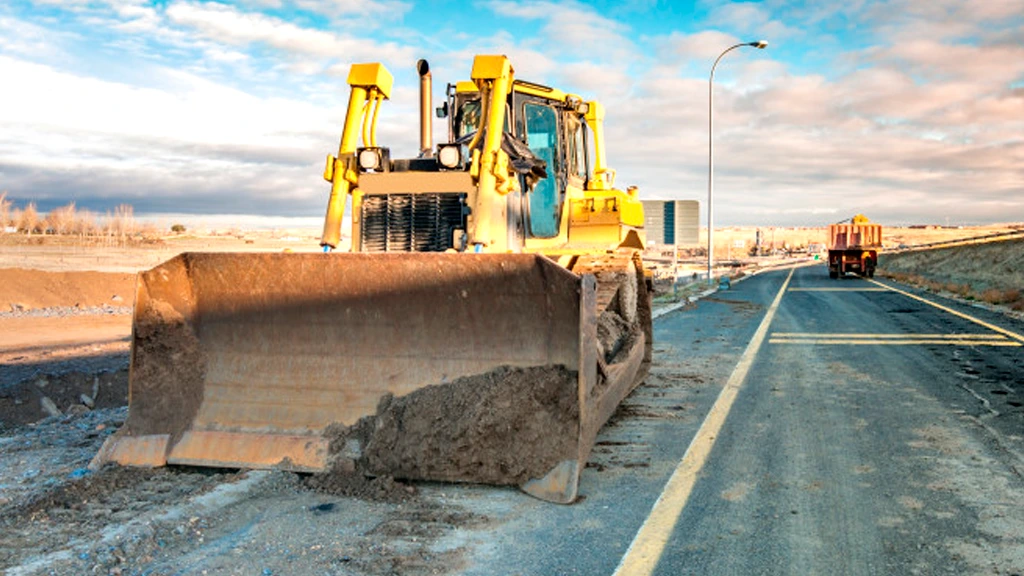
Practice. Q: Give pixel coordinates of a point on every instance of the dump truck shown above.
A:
(853, 247)
(492, 312)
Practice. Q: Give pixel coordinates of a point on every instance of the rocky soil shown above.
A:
(64, 390)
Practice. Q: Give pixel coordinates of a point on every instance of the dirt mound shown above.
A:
(169, 365)
(32, 289)
(507, 426)
(345, 481)
(35, 399)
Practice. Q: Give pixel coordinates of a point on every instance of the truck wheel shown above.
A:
(833, 274)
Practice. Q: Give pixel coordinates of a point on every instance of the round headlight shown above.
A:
(449, 156)
(369, 159)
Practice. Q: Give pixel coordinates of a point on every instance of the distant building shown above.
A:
(672, 222)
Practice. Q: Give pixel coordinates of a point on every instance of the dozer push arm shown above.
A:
(371, 84)
(493, 78)
(604, 177)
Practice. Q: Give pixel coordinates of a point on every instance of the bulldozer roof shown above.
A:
(524, 87)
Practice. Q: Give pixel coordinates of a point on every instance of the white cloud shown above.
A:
(704, 45)
(28, 39)
(225, 24)
(361, 10)
(195, 136)
(753, 20)
(572, 29)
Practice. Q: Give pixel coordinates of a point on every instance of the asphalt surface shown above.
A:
(871, 433)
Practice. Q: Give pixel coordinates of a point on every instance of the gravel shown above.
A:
(64, 311)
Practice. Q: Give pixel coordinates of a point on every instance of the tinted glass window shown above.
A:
(542, 138)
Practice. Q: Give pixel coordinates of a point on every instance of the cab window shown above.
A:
(542, 138)
(468, 118)
(577, 146)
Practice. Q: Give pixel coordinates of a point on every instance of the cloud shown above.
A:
(906, 109)
(983, 65)
(363, 10)
(196, 140)
(753, 20)
(573, 30)
(28, 39)
(222, 23)
(704, 45)
(940, 20)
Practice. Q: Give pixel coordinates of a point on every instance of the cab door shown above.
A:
(538, 124)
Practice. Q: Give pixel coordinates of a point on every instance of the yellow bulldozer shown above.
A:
(491, 315)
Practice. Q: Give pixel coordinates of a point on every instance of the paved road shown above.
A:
(862, 431)
(873, 433)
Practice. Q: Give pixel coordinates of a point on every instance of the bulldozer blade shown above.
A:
(451, 367)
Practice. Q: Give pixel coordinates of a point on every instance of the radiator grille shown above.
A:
(411, 222)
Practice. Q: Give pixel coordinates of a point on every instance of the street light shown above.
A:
(760, 45)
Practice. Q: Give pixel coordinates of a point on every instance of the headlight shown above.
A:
(449, 156)
(369, 159)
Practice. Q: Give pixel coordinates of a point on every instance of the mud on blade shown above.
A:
(424, 366)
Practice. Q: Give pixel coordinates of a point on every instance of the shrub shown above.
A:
(995, 296)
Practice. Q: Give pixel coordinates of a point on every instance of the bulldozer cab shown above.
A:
(553, 129)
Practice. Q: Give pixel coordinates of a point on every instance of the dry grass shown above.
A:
(990, 273)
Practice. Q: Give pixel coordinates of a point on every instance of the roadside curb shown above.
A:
(658, 313)
(676, 306)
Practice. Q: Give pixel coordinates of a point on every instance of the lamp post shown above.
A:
(760, 45)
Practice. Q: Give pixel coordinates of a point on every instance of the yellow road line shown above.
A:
(836, 290)
(893, 342)
(649, 543)
(993, 327)
(887, 336)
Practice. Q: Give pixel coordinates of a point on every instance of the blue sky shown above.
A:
(906, 110)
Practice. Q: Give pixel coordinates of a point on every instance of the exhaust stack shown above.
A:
(426, 129)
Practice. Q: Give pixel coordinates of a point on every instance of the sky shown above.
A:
(909, 111)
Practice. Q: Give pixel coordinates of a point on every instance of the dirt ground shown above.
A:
(63, 391)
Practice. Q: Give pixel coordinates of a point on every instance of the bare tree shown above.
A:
(15, 217)
(85, 223)
(29, 220)
(61, 220)
(5, 211)
(121, 223)
(125, 216)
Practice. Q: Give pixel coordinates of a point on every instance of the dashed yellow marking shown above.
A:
(837, 290)
(649, 544)
(890, 342)
(992, 327)
(811, 339)
(888, 336)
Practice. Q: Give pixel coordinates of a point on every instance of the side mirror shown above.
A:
(442, 110)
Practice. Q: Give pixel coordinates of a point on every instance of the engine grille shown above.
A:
(411, 222)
